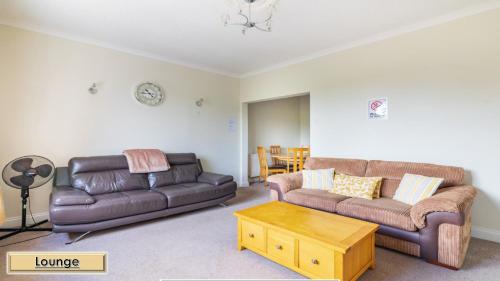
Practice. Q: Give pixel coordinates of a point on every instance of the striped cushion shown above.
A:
(414, 188)
(318, 179)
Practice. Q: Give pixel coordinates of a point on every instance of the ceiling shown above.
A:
(190, 32)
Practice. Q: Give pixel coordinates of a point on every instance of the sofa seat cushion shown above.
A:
(314, 198)
(383, 211)
(109, 206)
(189, 193)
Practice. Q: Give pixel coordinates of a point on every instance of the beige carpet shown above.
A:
(202, 244)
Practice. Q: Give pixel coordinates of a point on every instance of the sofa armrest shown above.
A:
(62, 177)
(283, 183)
(444, 222)
(69, 196)
(451, 200)
(215, 179)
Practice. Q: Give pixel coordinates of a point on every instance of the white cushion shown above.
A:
(318, 179)
(414, 188)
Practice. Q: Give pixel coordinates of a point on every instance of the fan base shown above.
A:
(28, 228)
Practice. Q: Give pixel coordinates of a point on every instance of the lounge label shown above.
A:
(56, 262)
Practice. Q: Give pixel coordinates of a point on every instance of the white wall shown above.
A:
(283, 122)
(45, 107)
(443, 86)
(304, 116)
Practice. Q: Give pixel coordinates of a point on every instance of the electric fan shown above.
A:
(25, 173)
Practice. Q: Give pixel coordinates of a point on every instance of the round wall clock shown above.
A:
(149, 94)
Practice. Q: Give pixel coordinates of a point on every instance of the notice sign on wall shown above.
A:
(378, 108)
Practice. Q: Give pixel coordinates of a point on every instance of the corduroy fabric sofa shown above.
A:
(436, 229)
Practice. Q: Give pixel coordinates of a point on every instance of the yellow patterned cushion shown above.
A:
(376, 192)
(318, 179)
(414, 188)
(360, 187)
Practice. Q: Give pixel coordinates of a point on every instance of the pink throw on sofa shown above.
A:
(146, 160)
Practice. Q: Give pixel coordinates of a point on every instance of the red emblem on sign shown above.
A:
(376, 104)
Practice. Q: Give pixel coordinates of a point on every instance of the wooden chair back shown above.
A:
(296, 157)
(261, 152)
(307, 152)
(275, 150)
(264, 166)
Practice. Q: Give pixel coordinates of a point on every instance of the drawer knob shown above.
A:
(315, 261)
(251, 235)
(279, 247)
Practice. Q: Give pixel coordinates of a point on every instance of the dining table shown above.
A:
(290, 160)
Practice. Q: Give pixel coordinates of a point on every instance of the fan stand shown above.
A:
(25, 193)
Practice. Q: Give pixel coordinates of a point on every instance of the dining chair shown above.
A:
(307, 152)
(275, 151)
(296, 157)
(265, 169)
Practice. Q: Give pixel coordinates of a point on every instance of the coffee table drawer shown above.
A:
(316, 259)
(253, 236)
(281, 247)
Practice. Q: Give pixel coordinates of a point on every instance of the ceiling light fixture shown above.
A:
(259, 14)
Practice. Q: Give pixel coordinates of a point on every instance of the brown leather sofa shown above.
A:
(437, 229)
(95, 193)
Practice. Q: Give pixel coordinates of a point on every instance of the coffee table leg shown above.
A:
(373, 252)
(240, 248)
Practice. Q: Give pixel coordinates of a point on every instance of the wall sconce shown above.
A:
(199, 103)
(93, 89)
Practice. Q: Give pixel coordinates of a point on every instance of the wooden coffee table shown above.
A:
(315, 244)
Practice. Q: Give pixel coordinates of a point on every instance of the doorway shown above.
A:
(283, 122)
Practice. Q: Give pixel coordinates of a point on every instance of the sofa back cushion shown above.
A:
(184, 168)
(352, 167)
(186, 173)
(392, 172)
(104, 174)
(161, 178)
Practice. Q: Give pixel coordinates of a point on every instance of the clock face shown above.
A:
(149, 94)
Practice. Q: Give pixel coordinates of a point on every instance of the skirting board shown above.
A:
(16, 221)
(486, 233)
(477, 231)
